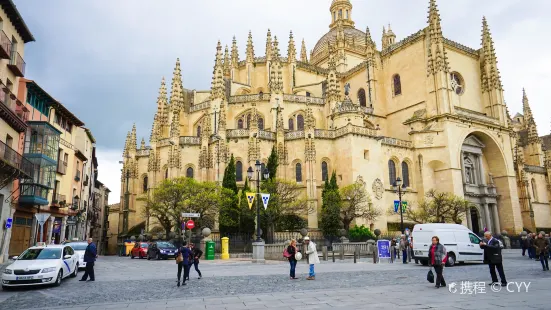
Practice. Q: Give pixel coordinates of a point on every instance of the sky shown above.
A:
(104, 59)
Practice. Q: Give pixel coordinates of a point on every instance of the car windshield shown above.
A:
(79, 246)
(145, 245)
(45, 253)
(165, 245)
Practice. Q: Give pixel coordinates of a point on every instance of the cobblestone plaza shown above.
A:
(140, 284)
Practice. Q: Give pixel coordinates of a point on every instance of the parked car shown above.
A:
(41, 265)
(460, 242)
(139, 250)
(161, 249)
(79, 248)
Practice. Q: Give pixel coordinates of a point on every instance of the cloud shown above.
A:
(109, 171)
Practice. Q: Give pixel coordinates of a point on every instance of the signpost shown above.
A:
(383, 247)
(41, 218)
(193, 215)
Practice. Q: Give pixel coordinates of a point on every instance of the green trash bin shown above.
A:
(209, 251)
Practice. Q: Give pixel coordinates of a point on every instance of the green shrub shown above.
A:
(360, 234)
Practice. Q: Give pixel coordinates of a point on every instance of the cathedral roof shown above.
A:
(351, 35)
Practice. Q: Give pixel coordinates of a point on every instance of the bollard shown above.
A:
(409, 254)
(374, 255)
(358, 251)
(225, 248)
(333, 251)
(342, 252)
(355, 255)
(324, 250)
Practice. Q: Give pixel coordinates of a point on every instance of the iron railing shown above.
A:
(5, 45)
(77, 176)
(17, 64)
(10, 156)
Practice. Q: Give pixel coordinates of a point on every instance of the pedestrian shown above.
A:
(524, 243)
(531, 249)
(183, 262)
(404, 245)
(90, 255)
(291, 251)
(437, 259)
(313, 258)
(393, 247)
(197, 253)
(541, 245)
(191, 260)
(492, 257)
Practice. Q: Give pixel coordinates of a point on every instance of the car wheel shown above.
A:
(425, 262)
(59, 277)
(451, 260)
(6, 288)
(74, 274)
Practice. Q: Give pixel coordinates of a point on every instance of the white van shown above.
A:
(460, 242)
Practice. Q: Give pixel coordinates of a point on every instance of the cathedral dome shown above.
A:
(352, 36)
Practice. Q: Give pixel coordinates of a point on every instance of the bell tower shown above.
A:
(341, 13)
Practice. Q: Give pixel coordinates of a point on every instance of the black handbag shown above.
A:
(430, 276)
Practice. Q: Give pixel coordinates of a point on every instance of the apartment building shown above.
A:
(14, 34)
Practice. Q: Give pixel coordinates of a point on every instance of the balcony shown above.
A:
(13, 111)
(85, 183)
(59, 201)
(62, 167)
(33, 194)
(17, 64)
(77, 176)
(15, 165)
(5, 46)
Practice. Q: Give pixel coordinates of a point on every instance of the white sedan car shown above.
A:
(80, 248)
(41, 265)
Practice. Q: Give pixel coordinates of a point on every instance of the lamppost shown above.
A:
(266, 174)
(400, 188)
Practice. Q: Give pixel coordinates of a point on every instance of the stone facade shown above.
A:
(424, 108)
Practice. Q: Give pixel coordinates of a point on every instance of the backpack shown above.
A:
(286, 253)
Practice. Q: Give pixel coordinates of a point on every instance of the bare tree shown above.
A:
(357, 204)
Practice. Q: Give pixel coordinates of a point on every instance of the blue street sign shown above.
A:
(396, 205)
(9, 221)
(384, 248)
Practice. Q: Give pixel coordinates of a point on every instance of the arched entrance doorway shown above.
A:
(475, 221)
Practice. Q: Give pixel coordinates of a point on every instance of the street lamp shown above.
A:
(266, 175)
(400, 188)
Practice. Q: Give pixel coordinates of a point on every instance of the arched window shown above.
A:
(198, 131)
(291, 124)
(340, 14)
(240, 124)
(391, 172)
(145, 180)
(396, 85)
(300, 122)
(458, 85)
(166, 174)
(324, 174)
(260, 123)
(262, 168)
(346, 14)
(335, 16)
(534, 190)
(405, 174)
(361, 97)
(238, 171)
(248, 121)
(298, 172)
(189, 173)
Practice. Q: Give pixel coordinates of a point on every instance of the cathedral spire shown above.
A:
(269, 45)
(276, 72)
(291, 51)
(434, 23)
(175, 125)
(218, 89)
(437, 57)
(234, 54)
(491, 78)
(250, 48)
(162, 104)
(529, 122)
(176, 91)
(368, 39)
(227, 64)
(303, 53)
(333, 85)
(154, 130)
(133, 143)
(222, 118)
(142, 144)
(126, 145)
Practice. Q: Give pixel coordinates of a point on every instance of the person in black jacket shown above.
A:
(186, 253)
(90, 256)
(492, 257)
(196, 253)
(292, 250)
